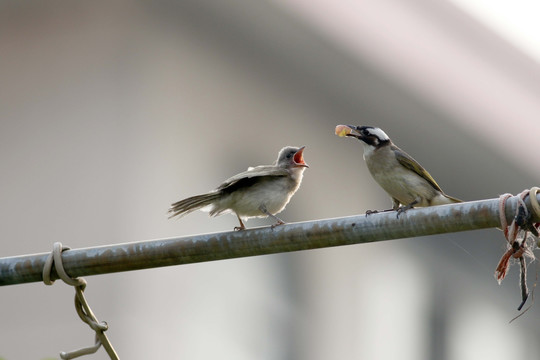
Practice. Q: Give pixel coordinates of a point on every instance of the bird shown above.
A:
(401, 176)
(261, 191)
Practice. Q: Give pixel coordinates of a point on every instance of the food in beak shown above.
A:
(342, 130)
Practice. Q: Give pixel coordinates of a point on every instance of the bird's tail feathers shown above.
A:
(453, 199)
(186, 206)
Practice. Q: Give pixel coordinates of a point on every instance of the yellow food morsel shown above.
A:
(342, 130)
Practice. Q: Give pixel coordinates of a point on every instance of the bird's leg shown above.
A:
(266, 212)
(241, 227)
(369, 212)
(395, 206)
(404, 208)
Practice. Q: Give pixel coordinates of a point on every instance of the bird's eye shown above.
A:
(289, 155)
(365, 132)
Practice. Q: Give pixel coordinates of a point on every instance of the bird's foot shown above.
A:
(402, 209)
(280, 222)
(369, 212)
(242, 226)
(267, 213)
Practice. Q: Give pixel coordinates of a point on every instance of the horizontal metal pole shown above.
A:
(264, 240)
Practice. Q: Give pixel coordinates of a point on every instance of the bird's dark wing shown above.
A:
(407, 161)
(252, 176)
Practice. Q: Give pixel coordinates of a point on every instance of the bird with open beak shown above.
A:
(402, 177)
(260, 191)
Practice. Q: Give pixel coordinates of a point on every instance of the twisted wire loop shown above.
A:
(516, 235)
(54, 260)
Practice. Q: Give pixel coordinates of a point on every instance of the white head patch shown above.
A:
(381, 135)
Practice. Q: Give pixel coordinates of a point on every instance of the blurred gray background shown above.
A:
(111, 111)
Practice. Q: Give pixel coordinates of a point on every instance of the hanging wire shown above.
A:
(54, 261)
(520, 235)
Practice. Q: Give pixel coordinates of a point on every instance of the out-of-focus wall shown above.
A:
(109, 112)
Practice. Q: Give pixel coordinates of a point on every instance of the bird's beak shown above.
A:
(347, 130)
(299, 158)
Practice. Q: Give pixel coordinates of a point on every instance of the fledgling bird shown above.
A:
(402, 177)
(260, 191)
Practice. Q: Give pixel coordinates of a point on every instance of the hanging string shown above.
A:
(517, 235)
(81, 305)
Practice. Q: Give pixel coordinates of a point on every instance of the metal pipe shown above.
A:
(264, 240)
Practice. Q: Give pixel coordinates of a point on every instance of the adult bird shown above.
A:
(402, 177)
(260, 191)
